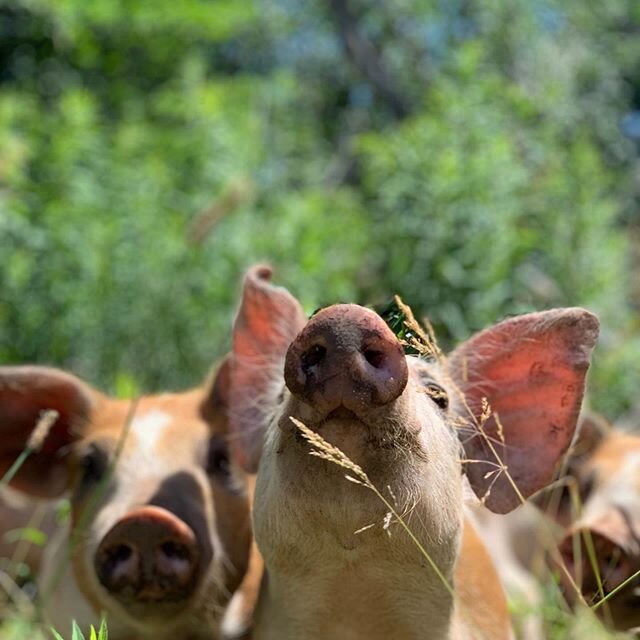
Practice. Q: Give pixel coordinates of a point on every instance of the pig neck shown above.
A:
(391, 600)
(388, 601)
(325, 581)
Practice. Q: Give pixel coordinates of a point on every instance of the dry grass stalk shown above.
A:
(34, 443)
(423, 340)
(43, 427)
(327, 451)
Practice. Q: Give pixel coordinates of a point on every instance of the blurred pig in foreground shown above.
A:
(159, 533)
(339, 563)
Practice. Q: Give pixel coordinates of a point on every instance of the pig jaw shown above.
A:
(309, 540)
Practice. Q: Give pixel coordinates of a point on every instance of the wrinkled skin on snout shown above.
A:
(159, 534)
(337, 565)
(607, 479)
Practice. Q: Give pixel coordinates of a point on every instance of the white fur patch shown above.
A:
(149, 429)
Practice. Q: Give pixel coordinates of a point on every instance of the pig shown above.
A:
(338, 564)
(607, 478)
(159, 533)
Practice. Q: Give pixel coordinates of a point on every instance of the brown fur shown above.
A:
(476, 581)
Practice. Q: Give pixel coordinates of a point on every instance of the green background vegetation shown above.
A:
(477, 158)
(470, 156)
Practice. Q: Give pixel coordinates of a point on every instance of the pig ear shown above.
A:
(25, 392)
(268, 320)
(218, 389)
(531, 370)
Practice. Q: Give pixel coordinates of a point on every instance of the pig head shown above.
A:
(159, 531)
(337, 562)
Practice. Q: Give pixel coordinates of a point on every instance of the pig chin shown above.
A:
(366, 436)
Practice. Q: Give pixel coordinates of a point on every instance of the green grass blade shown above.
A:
(76, 633)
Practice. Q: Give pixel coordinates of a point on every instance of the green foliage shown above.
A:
(475, 218)
(150, 152)
(28, 534)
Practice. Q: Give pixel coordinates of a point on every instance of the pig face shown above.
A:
(346, 378)
(159, 533)
(411, 425)
(608, 481)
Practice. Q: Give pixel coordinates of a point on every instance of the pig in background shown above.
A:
(159, 533)
(607, 481)
(595, 503)
(336, 565)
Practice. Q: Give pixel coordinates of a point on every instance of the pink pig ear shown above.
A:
(531, 370)
(25, 392)
(268, 320)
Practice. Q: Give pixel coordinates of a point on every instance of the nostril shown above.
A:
(120, 553)
(174, 550)
(312, 357)
(374, 357)
(117, 566)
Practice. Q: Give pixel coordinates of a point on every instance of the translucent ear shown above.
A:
(531, 370)
(268, 320)
(25, 392)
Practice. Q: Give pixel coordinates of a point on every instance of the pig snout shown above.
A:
(346, 357)
(605, 553)
(149, 556)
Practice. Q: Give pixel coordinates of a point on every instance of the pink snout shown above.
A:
(346, 357)
(149, 556)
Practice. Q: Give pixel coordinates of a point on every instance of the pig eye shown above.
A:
(586, 486)
(218, 463)
(93, 465)
(437, 394)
